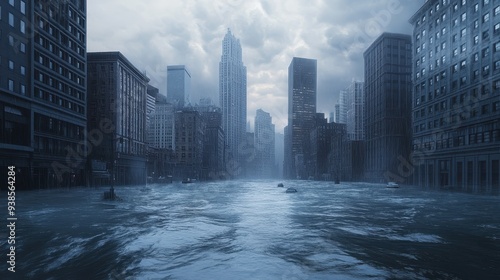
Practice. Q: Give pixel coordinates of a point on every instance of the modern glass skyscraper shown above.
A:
(302, 79)
(233, 95)
(178, 85)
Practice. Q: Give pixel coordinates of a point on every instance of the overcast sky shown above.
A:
(155, 33)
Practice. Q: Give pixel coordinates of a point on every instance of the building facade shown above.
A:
(189, 139)
(302, 79)
(264, 133)
(117, 95)
(355, 111)
(43, 92)
(387, 106)
(341, 107)
(456, 93)
(178, 85)
(233, 96)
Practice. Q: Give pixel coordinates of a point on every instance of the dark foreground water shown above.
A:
(254, 230)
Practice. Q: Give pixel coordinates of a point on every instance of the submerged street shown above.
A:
(254, 230)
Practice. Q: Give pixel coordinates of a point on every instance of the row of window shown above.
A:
(471, 139)
(484, 89)
(456, 7)
(58, 68)
(48, 125)
(62, 102)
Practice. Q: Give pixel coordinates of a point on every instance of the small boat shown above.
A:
(392, 185)
(280, 185)
(291, 190)
(188, 181)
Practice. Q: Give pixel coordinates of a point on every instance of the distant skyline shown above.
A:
(336, 33)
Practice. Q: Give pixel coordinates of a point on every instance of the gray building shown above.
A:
(189, 139)
(43, 92)
(233, 97)
(178, 85)
(387, 106)
(117, 94)
(264, 144)
(355, 101)
(302, 82)
(456, 107)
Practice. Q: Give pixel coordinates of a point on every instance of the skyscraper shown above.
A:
(43, 91)
(355, 106)
(302, 79)
(178, 85)
(233, 96)
(387, 105)
(264, 144)
(456, 107)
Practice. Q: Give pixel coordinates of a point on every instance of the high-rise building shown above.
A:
(456, 93)
(117, 94)
(302, 79)
(355, 105)
(189, 140)
(178, 85)
(43, 92)
(264, 144)
(150, 112)
(341, 112)
(387, 105)
(233, 96)
(163, 126)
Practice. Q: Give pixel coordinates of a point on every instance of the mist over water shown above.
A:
(254, 230)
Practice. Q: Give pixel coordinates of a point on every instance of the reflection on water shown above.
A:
(254, 230)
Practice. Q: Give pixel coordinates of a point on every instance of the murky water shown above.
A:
(254, 230)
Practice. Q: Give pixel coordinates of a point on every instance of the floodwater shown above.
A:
(254, 230)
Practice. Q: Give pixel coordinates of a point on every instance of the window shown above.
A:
(22, 27)
(486, 17)
(23, 7)
(23, 89)
(464, 16)
(486, 2)
(23, 70)
(455, 52)
(497, 11)
(476, 7)
(476, 40)
(11, 85)
(486, 70)
(463, 32)
(486, 52)
(11, 2)
(476, 24)
(11, 19)
(486, 35)
(497, 47)
(497, 28)
(497, 65)
(476, 57)
(11, 65)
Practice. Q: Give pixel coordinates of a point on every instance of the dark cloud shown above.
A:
(154, 34)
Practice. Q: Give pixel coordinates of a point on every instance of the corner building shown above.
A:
(43, 91)
(456, 95)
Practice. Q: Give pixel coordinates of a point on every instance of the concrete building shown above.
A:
(342, 106)
(339, 157)
(387, 106)
(264, 144)
(213, 167)
(456, 93)
(279, 140)
(178, 86)
(302, 82)
(150, 112)
(189, 139)
(355, 102)
(233, 96)
(117, 94)
(43, 92)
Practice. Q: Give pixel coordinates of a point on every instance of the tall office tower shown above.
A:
(43, 92)
(279, 140)
(150, 112)
(117, 94)
(189, 139)
(233, 96)
(163, 126)
(302, 76)
(264, 144)
(387, 105)
(178, 85)
(456, 93)
(342, 107)
(355, 106)
(337, 113)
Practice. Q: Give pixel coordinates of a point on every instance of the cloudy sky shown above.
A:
(155, 33)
